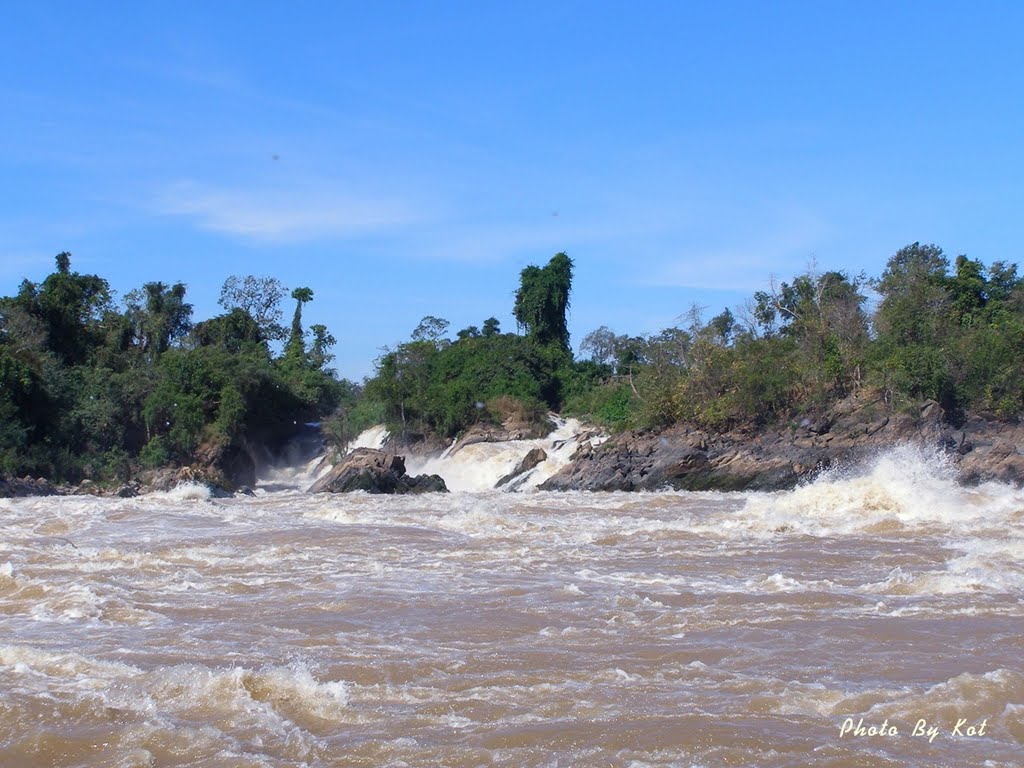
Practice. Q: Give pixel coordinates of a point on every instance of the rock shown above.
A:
(245, 490)
(87, 488)
(481, 433)
(779, 457)
(372, 471)
(427, 484)
(29, 486)
(126, 492)
(529, 461)
(230, 464)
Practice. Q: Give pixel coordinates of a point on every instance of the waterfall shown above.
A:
(480, 466)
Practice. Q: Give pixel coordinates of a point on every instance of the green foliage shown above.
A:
(355, 414)
(260, 299)
(86, 390)
(155, 453)
(611, 405)
(543, 300)
(232, 331)
(429, 389)
(158, 315)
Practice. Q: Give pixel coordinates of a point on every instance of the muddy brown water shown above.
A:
(537, 629)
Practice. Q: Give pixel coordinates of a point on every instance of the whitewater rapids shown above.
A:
(525, 629)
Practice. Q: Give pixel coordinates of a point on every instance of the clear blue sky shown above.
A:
(410, 159)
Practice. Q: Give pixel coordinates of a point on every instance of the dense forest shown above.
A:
(953, 333)
(89, 388)
(92, 390)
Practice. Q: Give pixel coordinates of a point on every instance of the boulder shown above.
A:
(481, 433)
(529, 461)
(29, 486)
(372, 471)
(780, 456)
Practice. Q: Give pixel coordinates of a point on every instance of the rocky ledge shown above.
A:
(854, 430)
(366, 469)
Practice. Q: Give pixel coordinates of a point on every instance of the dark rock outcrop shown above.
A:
(366, 469)
(225, 465)
(481, 433)
(780, 457)
(529, 461)
(169, 478)
(28, 486)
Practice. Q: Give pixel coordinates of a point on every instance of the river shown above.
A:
(519, 629)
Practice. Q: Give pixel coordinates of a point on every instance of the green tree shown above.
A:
(301, 296)
(159, 315)
(319, 355)
(542, 301)
(71, 308)
(491, 327)
(258, 297)
(431, 329)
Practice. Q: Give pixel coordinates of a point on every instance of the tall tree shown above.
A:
(915, 301)
(71, 307)
(542, 301)
(260, 297)
(160, 315)
(301, 296)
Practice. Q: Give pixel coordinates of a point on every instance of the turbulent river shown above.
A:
(519, 629)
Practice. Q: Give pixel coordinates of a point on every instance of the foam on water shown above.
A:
(479, 466)
(183, 492)
(484, 627)
(373, 437)
(902, 489)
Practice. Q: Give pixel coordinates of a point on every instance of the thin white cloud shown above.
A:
(747, 263)
(283, 214)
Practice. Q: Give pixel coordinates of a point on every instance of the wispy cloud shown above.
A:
(745, 261)
(283, 214)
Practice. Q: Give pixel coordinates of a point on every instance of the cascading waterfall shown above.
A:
(480, 466)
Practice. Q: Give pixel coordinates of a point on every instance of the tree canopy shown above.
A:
(87, 390)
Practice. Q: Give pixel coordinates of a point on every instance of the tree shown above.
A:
(543, 300)
(231, 331)
(71, 308)
(260, 298)
(431, 329)
(301, 296)
(491, 327)
(159, 315)
(322, 341)
(969, 290)
(602, 345)
(915, 302)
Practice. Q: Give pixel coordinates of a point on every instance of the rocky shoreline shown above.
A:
(148, 482)
(852, 431)
(981, 447)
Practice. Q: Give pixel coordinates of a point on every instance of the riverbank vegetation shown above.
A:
(924, 329)
(89, 388)
(93, 389)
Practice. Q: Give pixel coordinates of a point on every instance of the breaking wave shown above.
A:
(902, 489)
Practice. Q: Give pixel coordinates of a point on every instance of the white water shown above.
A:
(536, 629)
(478, 467)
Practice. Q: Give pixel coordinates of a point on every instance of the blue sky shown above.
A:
(405, 159)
